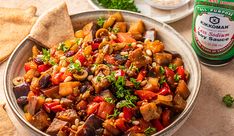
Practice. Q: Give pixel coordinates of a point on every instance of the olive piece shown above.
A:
(38, 61)
(69, 53)
(18, 80)
(44, 81)
(97, 40)
(81, 75)
(83, 88)
(22, 100)
(21, 90)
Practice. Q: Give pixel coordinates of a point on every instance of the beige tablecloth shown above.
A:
(209, 118)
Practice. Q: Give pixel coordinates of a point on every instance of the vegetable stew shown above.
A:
(111, 79)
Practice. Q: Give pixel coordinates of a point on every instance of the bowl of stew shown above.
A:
(122, 74)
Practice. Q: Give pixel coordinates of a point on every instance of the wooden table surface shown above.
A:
(209, 118)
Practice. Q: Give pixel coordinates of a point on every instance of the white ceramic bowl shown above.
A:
(172, 40)
(168, 6)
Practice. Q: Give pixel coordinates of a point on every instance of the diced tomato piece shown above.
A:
(48, 106)
(180, 71)
(125, 37)
(128, 113)
(57, 78)
(109, 59)
(98, 99)
(145, 95)
(105, 109)
(57, 108)
(30, 65)
(166, 117)
(157, 124)
(165, 89)
(169, 72)
(95, 46)
(79, 56)
(92, 108)
(120, 123)
(65, 75)
(42, 68)
(119, 72)
(141, 75)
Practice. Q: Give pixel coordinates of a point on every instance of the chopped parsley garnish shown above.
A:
(52, 62)
(162, 70)
(111, 78)
(150, 130)
(128, 102)
(62, 47)
(74, 67)
(78, 41)
(228, 100)
(129, 44)
(177, 77)
(99, 78)
(122, 67)
(172, 67)
(115, 114)
(46, 55)
(115, 30)
(119, 84)
(162, 80)
(119, 4)
(100, 21)
(136, 84)
(109, 100)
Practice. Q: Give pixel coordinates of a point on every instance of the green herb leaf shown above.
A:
(115, 30)
(74, 67)
(162, 70)
(172, 67)
(119, 84)
(228, 100)
(150, 130)
(52, 62)
(109, 100)
(115, 114)
(162, 80)
(100, 21)
(136, 84)
(46, 55)
(119, 4)
(177, 77)
(111, 78)
(62, 47)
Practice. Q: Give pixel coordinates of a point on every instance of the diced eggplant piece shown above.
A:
(22, 100)
(163, 59)
(44, 81)
(149, 111)
(55, 126)
(66, 88)
(179, 103)
(107, 93)
(32, 103)
(105, 109)
(68, 115)
(137, 58)
(89, 31)
(109, 126)
(91, 125)
(120, 59)
(82, 105)
(177, 62)
(100, 85)
(52, 92)
(150, 34)
(40, 120)
(21, 90)
(66, 102)
(182, 89)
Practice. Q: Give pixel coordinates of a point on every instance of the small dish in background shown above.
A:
(167, 4)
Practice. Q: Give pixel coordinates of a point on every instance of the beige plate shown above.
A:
(166, 16)
(172, 40)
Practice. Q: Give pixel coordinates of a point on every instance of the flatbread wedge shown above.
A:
(53, 27)
(15, 26)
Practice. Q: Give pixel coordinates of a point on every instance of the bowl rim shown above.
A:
(177, 121)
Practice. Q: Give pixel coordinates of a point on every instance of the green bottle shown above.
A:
(213, 31)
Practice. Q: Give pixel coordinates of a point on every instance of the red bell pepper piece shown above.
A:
(157, 124)
(105, 109)
(120, 123)
(79, 56)
(141, 75)
(165, 89)
(30, 65)
(145, 95)
(166, 116)
(48, 106)
(42, 68)
(119, 72)
(57, 108)
(169, 72)
(180, 71)
(98, 99)
(57, 78)
(128, 113)
(109, 59)
(92, 108)
(95, 46)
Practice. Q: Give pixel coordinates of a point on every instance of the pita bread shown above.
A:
(53, 27)
(6, 126)
(15, 26)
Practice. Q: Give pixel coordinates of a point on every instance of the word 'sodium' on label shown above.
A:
(213, 29)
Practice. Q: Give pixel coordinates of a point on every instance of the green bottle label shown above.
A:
(213, 31)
